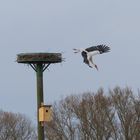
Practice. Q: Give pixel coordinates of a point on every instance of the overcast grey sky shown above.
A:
(59, 26)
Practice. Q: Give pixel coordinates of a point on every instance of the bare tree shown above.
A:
(86, 117)
(97, 116)
(63, 125)
(127, 110)
(136, 101)
(15, 127)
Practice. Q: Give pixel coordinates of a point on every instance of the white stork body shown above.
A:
(88, 54)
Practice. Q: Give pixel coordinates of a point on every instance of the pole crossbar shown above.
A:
(46, 66)
(33, 66)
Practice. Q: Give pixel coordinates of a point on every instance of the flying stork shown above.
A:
(91, 51)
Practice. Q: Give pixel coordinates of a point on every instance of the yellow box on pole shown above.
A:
(45, 113)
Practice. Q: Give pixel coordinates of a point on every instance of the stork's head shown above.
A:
(96, 67)
(76, 50)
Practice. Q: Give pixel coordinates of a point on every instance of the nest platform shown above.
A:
(34, 58)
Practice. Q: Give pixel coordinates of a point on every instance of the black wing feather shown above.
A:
(84, 54)
(100, 48)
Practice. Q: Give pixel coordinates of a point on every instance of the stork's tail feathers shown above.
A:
(103, 48)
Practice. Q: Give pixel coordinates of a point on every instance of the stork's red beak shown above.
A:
(75, 51)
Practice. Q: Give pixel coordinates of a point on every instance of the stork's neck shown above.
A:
(79, 50)
(82, 49)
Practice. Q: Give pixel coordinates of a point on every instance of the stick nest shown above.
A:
(39, 58)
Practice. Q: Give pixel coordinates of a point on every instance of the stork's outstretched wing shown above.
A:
(100, 48)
